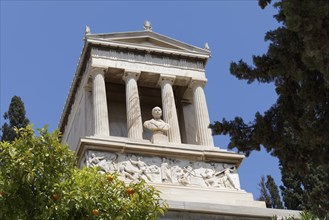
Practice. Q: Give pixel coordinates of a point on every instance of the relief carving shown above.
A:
(106, 164)
(143, 168)
(165, 170)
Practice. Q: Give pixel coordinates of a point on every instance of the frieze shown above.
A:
(149, 58)
(165, 170)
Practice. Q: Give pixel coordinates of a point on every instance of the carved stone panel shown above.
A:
(149, 58)
(165, 170)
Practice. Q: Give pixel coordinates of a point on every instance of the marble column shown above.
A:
(169, 108)
(134, 116)
(201, 114)
(101, 118)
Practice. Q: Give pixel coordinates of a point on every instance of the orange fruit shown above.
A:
(130, 191)
(95, 212)
(110, 178)
(55, 197)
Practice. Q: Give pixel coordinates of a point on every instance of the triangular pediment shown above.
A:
(146, 40)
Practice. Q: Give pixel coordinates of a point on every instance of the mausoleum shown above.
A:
(137, 106)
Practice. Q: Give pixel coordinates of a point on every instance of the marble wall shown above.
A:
(78, 127)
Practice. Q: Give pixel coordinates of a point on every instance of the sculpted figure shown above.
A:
(176, 172)
(157, 126)
(94, 161)
(225, 180)
(100, 162)
(184, 178)
(208, 177)
(142, 166)
(165, 171)
(125, 172)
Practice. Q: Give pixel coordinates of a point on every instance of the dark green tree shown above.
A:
(292, 191)
(269, 193)
(274, 193)
(16, 117)
(296, 128)
(264, 195)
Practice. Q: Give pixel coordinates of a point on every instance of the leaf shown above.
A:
(12, 152)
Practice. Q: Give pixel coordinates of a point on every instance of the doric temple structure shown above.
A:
(110, 121)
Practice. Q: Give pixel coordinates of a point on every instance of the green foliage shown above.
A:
(303, 216)
(296, 128)
(309, 216)
(292, 190)
(30, 168)
(88, 192)
(269, 193)
(39, 180)
(263, 3)
(16, 117)
(274, 193)
(264, 195)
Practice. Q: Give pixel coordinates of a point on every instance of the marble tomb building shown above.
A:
(137, 106)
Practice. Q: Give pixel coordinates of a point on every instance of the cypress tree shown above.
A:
(292, 190)
(274, 193)
(295, 129)
(264, 196)
(269, 193)
(16, 117)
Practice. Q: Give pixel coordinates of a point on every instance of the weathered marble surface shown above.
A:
(133, 109)
(100, 104)
(165, 170)
(149, 58)
(169, 108)
(201, 114)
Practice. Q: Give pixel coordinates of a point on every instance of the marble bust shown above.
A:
(158, 127)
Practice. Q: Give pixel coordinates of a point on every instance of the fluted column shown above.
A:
(169, 108)
(134, 116)
(201, 114)
(101, 118)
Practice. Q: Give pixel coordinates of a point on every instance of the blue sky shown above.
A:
(41, 43)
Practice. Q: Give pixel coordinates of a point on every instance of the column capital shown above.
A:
(96, 70)
(197, 82)
(88, 87)
(166, 78)
(128, 74)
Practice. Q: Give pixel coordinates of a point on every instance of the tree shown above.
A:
(39, 180)
(296, 128)
(269, 193)
(16, 117)
(264, 195)
(274, 193)
(292, 190)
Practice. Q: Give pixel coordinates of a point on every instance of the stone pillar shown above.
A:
(201, 114)
(101, 118)
(134, 116)
(169, 108)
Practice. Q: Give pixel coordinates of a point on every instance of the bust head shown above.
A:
(156, 112)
